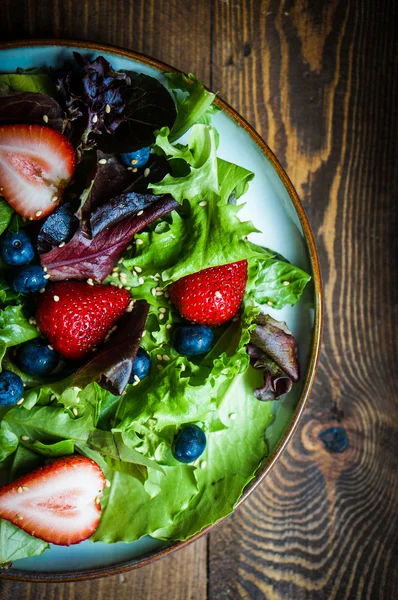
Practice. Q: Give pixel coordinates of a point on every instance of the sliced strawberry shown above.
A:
(212, 296)
(76, 316)
(58, 503)
(36, 164)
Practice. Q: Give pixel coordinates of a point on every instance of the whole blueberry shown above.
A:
(16, 248)
(59, 227)
(189, 444)
(141, 366)
(11, 388)
(36, 358)
(192, 340)
(136, 159)
(29, 279)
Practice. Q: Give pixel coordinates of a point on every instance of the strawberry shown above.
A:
(58, 503)
(36, 164)
(76, 316)
(212, 296)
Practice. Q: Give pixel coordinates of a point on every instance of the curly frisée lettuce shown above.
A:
(144, 229)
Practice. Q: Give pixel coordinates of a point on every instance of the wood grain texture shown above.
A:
(318, 79)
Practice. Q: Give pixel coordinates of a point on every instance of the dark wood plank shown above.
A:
(317, 79)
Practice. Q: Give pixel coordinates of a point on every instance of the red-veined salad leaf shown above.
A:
(111, 367)
(84, 258)
(31, 108)
(276, 382)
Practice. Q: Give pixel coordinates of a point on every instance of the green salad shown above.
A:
(136, 227)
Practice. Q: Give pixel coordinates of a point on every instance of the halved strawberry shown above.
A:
(212, 296)
(76, 316)
(36, 164)
(58, 503)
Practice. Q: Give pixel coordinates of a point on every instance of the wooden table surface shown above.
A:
(318, 80)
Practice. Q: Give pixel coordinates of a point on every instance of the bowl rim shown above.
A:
(148, 558)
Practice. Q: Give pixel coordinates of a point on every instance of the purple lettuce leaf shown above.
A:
(276, 341)
(112, 365)
(84, 258)
(31, 107)
(112, 178)
(276, 382)
(148, 107)
(92, 94)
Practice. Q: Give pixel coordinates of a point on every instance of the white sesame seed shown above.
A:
(161, 316)
(61, 245)
(38, 213)
(160, 293)
(77, 400)
(42, 290)
(25, 488)
(115, 269)
(56, 298)
(20, 402)
(129, 309)
(54, 199)
(159, 357)
(134, 161)
(135, 383)
(107, 109)
(102, 161)
(143, 333)
(45, 269)
(107, 483)
(285, 283)
(233, 416)
(75, 388)
(45, 118)
(160, 367)
(32, 321)
(50, 347)
(134, 170)
(146, 172)
(114, 274)
(141, 280)
(139, 241)
(218, 294)
(140, 212)
(162, 309)
(25, 438)
(129, 247)
(169, 326)
(20, 490)
(158, 289)
(203, 203)
(166, 294)
(203, 464)
(53, 397)
(138, 269)
(153, 291)
(136, 378)
(75, 411)
(119, 261)
(270, 303)
(47, 276)
(166, 357)
(95, 118)
(183, 367)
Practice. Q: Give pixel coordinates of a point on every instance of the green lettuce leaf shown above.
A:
(8, 443)
(28, 82)
(6, 213)
(194, 105)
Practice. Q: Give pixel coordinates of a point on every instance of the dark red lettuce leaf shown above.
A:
(113, 178)
(31, 107)
(276, 382)
(88, 91)
(148, 107)
(275, 340)
(84, 258)
(111, 367)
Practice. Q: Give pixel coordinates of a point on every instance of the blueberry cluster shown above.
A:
(17, 250)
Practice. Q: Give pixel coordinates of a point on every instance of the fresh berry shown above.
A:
(36, 358)
(141, 365)
(189, 444)
(192, 340)
(212, 296)
(11, 388)
(29, 279)
(36, 164)
(59, 227)
(76, 316)
(136, 159)
(58, 503)
(16, 248)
